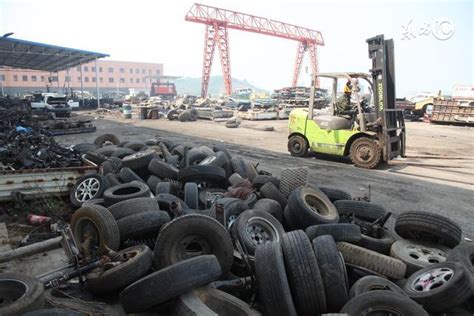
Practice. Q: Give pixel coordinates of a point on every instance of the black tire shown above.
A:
(100, 140)
(298, 146)
(184, 116)
(137, 146)
(127, 175)
(133, 206)
(163, 187)
(191, 195)
(168, 201)
(383, 301)
(98, 223)
(255, 228)
(417, 255)
(429, 227)
(381, 244)
(238, 166)
(106, 150)
(261, 179)
(303, 272)
(152, 182)
(88, 187)
(311, 206)
(172, 115)
(142, 224)
(162, 169)
(270, 191)
(371, 260)
(193, 157)
(125, 191)
(464, 253)
(195, 231)
(20, 294)
(121, 152)
(365, 153)
(335, 194)
(235, 179)
(288, 220)
(203, 174)
(222, 148)
(112, 180)
(333, 272)
(111, 165)
(270, 206)
(373, 283)
(339, 231)
(53, 312)
(365, 211)
(250, 170)
(273, 287)
(139, 160)
(440, 287)
(169, 283)
(138, 263)
(194, 114)
(218, 159)
(233, 207)
(94, 202)
(83, 148)
(208, 151)
(95, 157)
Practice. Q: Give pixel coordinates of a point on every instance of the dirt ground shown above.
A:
(437, 175)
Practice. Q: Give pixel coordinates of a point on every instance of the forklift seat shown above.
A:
(331, 122)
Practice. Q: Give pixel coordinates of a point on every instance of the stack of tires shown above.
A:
(203, 232)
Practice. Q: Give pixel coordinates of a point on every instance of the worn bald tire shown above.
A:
(270, 206)
(255, 228)
(335, 194)
(133, 206)
(374, 261)
(303, 272)
(191, 195)
(88, 187)
(384, 302)
(138, 263)
(20, 294)
(339, 231)
(192, 235)
(430, 227)
(162, 169)
(440, 287)
(142, 224)
(169, 282)
(125, 191)
(373, 283)
(273, 287)
(333, 272)
(139, 160)
(311, 206)
(270, 191)
(96, 221)
(128, 175)
(100, 140)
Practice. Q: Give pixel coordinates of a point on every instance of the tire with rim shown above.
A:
(273, 287)
(385, 302)
(169, 283)
(417, 255)
(439, 287)
(137, 262)
(88, 187)
(191, 195)
(125, 191)
(193, 235)
(373, 283)
(96, 223)
(233, 207)
(255, 228)
(365, 153)
(20, 294)
(297, 146)
(100, 140)
(311, 206)
(270, 206)
(339, 232)
(430, 227)
(142, 224)
(139, 160)
(133, 206)
(303, 272)
(371, 260)
(333, 272)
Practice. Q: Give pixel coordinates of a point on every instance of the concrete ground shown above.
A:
(437, 175)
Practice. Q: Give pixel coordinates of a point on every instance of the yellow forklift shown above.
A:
(369, 132)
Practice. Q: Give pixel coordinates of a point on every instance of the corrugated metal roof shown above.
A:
(38, 56)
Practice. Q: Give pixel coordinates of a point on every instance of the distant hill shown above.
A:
(189, 85)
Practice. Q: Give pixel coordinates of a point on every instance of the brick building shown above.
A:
(112, 76)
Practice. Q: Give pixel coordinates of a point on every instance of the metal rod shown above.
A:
(32, 249)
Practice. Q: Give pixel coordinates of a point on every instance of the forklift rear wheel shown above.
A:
(297, 146)
(365, 153)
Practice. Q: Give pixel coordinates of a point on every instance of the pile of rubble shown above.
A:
(183, 229)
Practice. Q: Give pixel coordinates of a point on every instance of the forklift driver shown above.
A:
(344, 102)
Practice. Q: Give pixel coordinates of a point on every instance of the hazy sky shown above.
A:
(155, 31)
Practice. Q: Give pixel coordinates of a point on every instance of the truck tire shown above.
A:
(169, 283)
(339, 231)
(371, 260)
(138, 263)
(88, 187)
(133, 206)
(125, 191)
(273, 287)
(430, 227)
(373, 283)
(365, 153)
(142, 224)
(20, 294)
(298, 146)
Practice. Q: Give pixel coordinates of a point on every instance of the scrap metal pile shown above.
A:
(190, 230)
(300, 96)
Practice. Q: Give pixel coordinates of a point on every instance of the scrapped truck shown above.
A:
(53, 103)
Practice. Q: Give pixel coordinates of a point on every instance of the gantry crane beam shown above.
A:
(217, 22)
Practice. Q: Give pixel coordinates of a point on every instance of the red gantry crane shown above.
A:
(218, 21)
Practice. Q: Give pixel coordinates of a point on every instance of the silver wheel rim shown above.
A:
(424, 254)
(432, 279)
(261, 231)
(87, 189)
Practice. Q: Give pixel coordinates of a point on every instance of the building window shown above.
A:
(158, 71)
(101, 79)
(54, 78)
(93, 69)
(137, 71)
(111, 69)
(2, 77)
(131, 70)
(33, 78)
(42, 78)
(78, 68)
(79, 78)
(143, 71)
(122, 80)
(100, 69)
(131, 80)
(149, 71)
(111, 80)
(86, 79)
(15, 78)
(122, 70)
(93, 79)
(144, 80)
(24, 78)
(86, 69)
(67, 79)
(138, 80)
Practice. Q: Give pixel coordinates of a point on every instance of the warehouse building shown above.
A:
(112, 75)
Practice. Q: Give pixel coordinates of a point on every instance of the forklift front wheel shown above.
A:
(365, 153)
(297, 146)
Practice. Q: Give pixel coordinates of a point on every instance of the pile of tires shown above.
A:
(205, 232)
